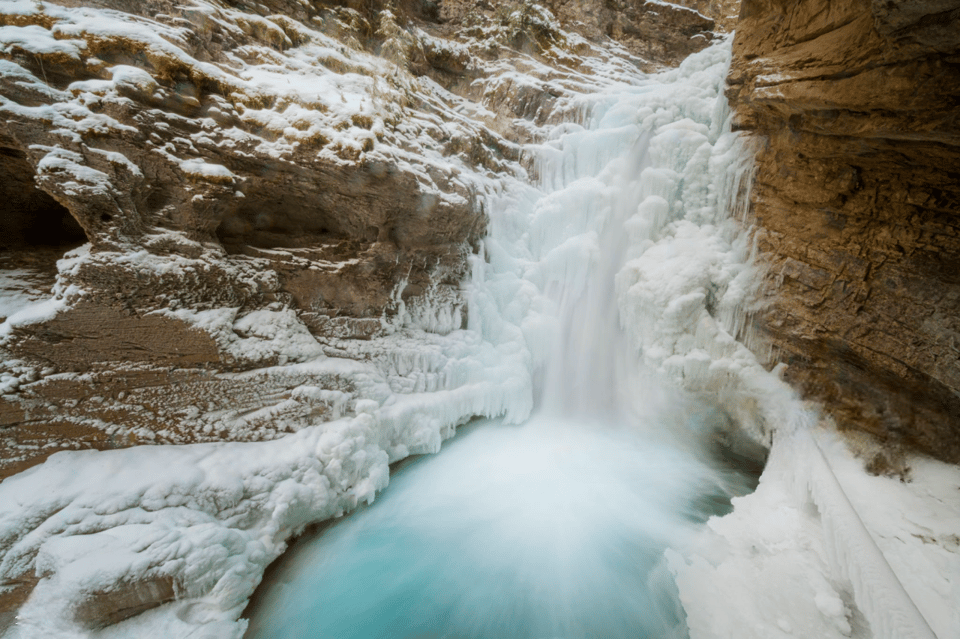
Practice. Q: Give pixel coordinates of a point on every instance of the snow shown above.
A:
(256, 336)
(206, 170)
(33, 313)
(35, 39)
(913, 528)
(19, 288)
(210, 517)
(823, 549)
(86, 181)
(27, 296)
(675, 7)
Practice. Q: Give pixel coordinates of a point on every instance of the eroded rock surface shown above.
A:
(857, 199)
(214, 157)
(258, 184)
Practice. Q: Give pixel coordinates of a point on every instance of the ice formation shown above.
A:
(649, 160)
(555, 528)
(549, 529)
(822, 549)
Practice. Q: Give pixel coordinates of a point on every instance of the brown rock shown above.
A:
(659, 34)
(105, 608)
(193, 200)
(857, 198)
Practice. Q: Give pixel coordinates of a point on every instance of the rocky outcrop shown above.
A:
(256, 185)
(857, 206)
(664, 32)
(213, 157)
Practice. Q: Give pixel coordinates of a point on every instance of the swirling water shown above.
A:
(547, 530)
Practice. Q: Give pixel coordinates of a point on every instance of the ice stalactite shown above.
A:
(649, 187)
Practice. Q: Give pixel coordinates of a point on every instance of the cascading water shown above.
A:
(557, 528)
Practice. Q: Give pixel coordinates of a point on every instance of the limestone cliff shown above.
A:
(857, 196)
(210, 163)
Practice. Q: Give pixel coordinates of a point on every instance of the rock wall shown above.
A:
(857, 204)
(172, 139)
(251, 185)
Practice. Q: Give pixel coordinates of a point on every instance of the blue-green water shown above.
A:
(541, 531)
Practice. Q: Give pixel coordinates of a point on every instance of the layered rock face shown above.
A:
(253, 185)
(857, 203)
(174, 139)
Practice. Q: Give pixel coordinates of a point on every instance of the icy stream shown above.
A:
(612, 269)
(551, 529)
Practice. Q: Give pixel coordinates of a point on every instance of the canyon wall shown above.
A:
(234, 188)
(175, 144)
(857, 205)
(210, 164)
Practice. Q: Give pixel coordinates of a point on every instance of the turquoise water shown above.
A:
(545, 530)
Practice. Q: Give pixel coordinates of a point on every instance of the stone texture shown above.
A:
(342, 235)
(105, 608)
(857, 205)
(666, 33)
(658, 34)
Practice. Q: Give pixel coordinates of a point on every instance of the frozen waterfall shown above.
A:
(611, 283)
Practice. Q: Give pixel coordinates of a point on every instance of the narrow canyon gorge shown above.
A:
(253, 255)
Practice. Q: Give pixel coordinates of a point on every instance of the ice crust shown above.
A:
(210, 517)
(852, 552)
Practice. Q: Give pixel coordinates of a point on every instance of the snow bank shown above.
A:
(852, 552)
(823, 549)
(37, 40)
(760, 572)
(209, 517)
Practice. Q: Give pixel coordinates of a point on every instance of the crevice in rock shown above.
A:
(280, 228)
(33, 219)
(35, 232)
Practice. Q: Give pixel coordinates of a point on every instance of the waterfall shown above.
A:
(589, 368)
(604, 283)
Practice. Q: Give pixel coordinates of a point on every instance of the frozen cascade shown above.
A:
(557, 528)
